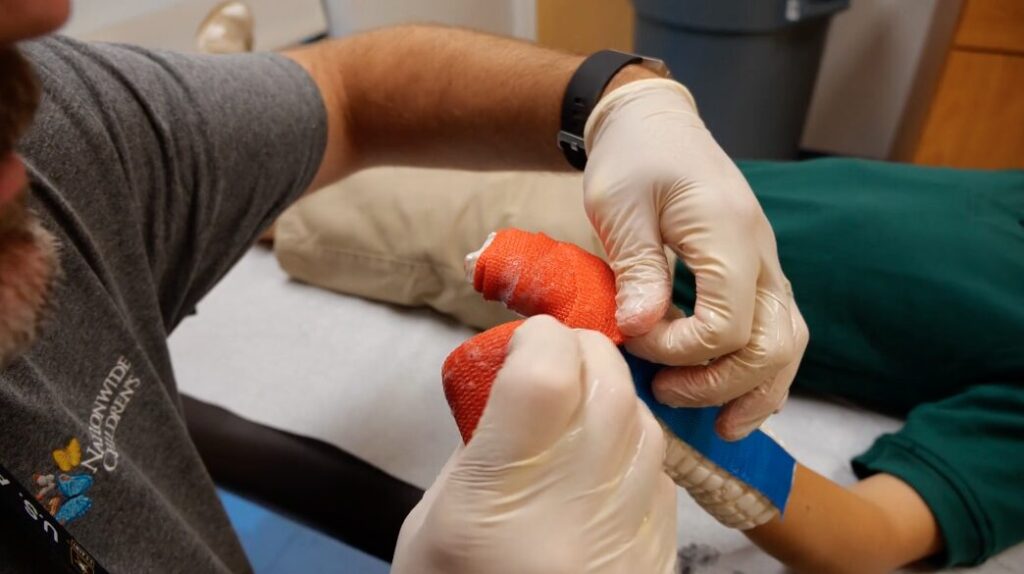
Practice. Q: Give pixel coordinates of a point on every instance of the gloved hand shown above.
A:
(562, 473)
(533, 274)
(656, 177)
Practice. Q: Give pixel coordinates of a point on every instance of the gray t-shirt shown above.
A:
(156, 171)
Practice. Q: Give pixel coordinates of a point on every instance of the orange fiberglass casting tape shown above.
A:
(743, 483)
(533, 275)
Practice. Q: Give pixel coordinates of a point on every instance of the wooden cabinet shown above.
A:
(976, 118)
(585, 26)
(993, 25)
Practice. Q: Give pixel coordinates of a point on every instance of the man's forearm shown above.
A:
(434, 96)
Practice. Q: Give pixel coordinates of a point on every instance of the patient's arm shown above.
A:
(876, 525)
(435, 96)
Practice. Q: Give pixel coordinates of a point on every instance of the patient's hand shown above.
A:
(563, 472)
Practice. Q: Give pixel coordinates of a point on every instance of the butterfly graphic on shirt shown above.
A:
(63, 493)
(68, 457)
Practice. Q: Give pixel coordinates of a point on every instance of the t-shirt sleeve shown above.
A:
(962, 456)
(202, 151)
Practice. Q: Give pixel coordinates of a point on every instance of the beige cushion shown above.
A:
(399, 235)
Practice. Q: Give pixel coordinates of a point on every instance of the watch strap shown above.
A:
(581, 95)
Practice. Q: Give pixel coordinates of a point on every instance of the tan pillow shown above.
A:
(399, 235)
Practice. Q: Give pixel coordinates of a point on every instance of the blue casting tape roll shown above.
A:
(756, 460)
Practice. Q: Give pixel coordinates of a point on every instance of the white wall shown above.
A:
(87, 16)
(172, 24)
(508, 17)
(877, 54)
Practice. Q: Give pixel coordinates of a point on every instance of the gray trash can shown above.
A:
(751, 64)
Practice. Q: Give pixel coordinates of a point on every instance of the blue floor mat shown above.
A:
(278, 545)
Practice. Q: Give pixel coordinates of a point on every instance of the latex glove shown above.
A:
(656, 177)
(562, 474)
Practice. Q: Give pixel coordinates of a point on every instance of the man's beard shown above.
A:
(28, 254)
(19, 97)
(28, 270)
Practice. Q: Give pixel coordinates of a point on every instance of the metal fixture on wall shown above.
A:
(227, 29)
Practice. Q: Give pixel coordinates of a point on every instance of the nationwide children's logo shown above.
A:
(63, 493)
(112, 400)
(63, 490)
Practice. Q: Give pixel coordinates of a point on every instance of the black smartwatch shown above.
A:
(583, 91)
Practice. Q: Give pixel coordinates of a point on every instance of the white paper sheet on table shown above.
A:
(366, 378)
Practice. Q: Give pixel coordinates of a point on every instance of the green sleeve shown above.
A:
(965, 457)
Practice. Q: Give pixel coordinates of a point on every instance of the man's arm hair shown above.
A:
(437, 96)
(876, 525)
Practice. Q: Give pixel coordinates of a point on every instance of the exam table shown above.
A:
(329, 409)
